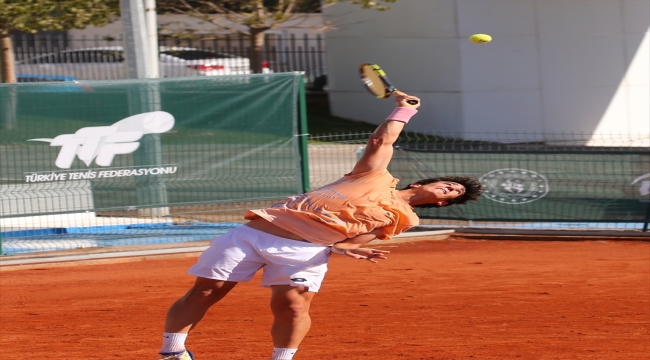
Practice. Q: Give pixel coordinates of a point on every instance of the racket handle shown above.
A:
(412, 102)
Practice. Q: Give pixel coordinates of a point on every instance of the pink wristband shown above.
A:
(402, 114)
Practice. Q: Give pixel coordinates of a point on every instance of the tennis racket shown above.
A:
(376, 81)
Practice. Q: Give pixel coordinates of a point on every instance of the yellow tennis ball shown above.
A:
(480, 38)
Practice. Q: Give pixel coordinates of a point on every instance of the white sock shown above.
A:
(283, 354)
(173, 342)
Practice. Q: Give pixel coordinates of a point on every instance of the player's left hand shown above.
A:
(371, 255)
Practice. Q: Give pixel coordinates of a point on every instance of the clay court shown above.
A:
(452, 299)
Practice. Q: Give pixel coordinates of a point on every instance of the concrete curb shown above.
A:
(551, 235)
(112, 257)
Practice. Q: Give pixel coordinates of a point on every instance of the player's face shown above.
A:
(442, 191)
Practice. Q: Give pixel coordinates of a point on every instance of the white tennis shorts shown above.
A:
(238, 254)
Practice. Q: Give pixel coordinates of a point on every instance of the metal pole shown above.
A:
(136, 51)
(303, 135)
(153, 70)
(145, 97)
(647, 218)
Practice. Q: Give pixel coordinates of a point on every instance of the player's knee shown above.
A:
(205, 293)
(195, 297)
(291, 309)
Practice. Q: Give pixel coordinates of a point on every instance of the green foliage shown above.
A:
(37, 15)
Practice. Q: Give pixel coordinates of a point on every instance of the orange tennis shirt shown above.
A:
(353, 205)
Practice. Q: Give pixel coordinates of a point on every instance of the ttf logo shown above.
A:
(102, 143)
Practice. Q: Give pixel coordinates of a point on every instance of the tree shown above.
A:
(37, 15)
(257, 16)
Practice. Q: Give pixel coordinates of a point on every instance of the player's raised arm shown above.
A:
(379, 149)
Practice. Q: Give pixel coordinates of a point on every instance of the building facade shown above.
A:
(554, 66)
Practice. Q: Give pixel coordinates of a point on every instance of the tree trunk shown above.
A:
(7, 67)
(257, 44)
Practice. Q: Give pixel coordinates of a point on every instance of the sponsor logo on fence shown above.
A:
(644, 184)
(93, 174)
(102, 143)
(514, 186)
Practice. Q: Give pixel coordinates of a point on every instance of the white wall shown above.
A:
(554, 65)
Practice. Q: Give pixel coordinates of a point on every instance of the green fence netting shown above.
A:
(125, 162)
(536, 182)
(148, 143)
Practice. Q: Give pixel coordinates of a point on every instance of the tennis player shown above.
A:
(294, 239)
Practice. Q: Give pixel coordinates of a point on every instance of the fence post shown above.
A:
(320, 56)
(136, 49)
(144, 97)
(303, 136)
(647, 218)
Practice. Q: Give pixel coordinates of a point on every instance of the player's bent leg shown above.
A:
(187, 311)
(291, 320)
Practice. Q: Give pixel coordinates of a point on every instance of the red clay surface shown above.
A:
(458, 299)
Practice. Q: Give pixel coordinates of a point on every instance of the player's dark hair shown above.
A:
(473, 189)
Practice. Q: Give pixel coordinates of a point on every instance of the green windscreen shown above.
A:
(113, 145)
(537, 183)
